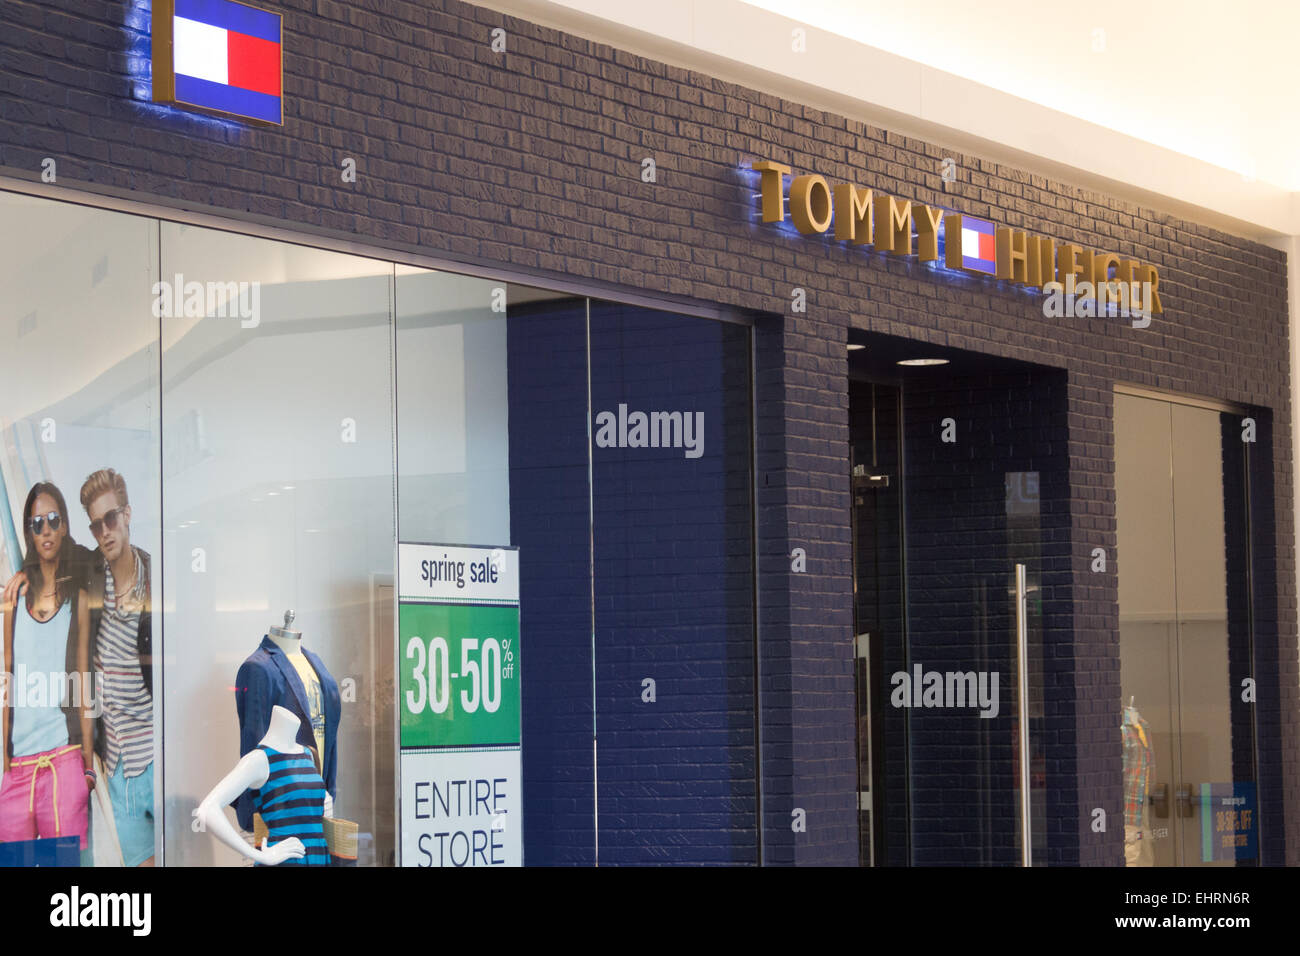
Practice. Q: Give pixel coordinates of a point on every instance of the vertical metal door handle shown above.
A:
(1159, 799)
(1022, 669)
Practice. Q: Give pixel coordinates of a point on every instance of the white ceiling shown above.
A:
(1210, 80)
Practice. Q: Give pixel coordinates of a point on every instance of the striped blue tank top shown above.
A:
(292, 803)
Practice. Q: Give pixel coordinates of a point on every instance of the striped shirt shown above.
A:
(292, 804)
(128, 706)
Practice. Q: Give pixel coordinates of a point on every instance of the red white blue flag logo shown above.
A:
(218, 56)
(978, 248)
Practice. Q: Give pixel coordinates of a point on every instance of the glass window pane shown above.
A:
(79, 394)
(453, 442)
(277, 436)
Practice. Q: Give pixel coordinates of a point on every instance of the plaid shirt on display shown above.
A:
(1139, 765)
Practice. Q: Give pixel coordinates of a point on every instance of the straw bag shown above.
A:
(341, 838)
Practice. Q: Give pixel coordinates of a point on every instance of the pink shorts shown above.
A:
(45, 795)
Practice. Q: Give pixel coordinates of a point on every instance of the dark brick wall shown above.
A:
(674, 596)
(550, 523)
(531, 159)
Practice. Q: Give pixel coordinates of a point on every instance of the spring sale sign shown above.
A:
(460, 740)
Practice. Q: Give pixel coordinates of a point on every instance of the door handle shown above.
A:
(1022, 680)
(1159, 798)
(1183, 799)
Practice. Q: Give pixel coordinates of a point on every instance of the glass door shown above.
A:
(949, 471)
(878, 621)
(977, 462)
(1186, 724)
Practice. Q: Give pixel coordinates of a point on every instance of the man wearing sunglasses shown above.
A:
(121, 649)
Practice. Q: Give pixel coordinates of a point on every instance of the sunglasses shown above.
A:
(37, 524)
(109, 521)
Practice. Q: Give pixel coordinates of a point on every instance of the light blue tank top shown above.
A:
(40, 650)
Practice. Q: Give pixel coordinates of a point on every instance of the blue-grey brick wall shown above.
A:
(550, 523)
(674, 596)
(531, 159)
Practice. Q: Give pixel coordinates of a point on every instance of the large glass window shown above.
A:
(277, 418)
(78, 396)
(277, 436)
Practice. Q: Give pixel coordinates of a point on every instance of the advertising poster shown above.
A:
(1228, 822)
(458, 696)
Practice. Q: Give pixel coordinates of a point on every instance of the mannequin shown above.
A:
(283, 673)
(251, 773)
(285, 636)
(290, 641)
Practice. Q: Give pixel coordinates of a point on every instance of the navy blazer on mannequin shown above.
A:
(268, 679)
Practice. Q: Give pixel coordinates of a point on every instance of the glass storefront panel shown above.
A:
(278, 446)
(79, 395)
(452, 409)
(1185, 634)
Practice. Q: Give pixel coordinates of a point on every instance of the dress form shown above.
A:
(251, 773)
(286, 637)
(289, 640)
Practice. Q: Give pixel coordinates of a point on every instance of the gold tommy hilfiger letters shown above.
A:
(903, 228)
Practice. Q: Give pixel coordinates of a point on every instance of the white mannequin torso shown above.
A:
(251, 773)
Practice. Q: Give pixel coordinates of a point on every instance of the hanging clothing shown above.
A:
(1139, 766)
(315, 699)
(292, 804)
(267, 679)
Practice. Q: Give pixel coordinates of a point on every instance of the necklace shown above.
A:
(41, 614)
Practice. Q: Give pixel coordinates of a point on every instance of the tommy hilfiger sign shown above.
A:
(903, 228)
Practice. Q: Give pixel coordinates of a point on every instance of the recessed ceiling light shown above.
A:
(273, 494)
(920, 362)
(854, 347)
(287, 487)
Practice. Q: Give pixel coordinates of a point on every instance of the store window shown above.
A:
(279, 422)
(278, 454)
(79, 396)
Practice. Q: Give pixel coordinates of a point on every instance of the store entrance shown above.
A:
(958, 477)
(1182, 468)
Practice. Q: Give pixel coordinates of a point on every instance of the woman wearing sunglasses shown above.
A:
(47, 726)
